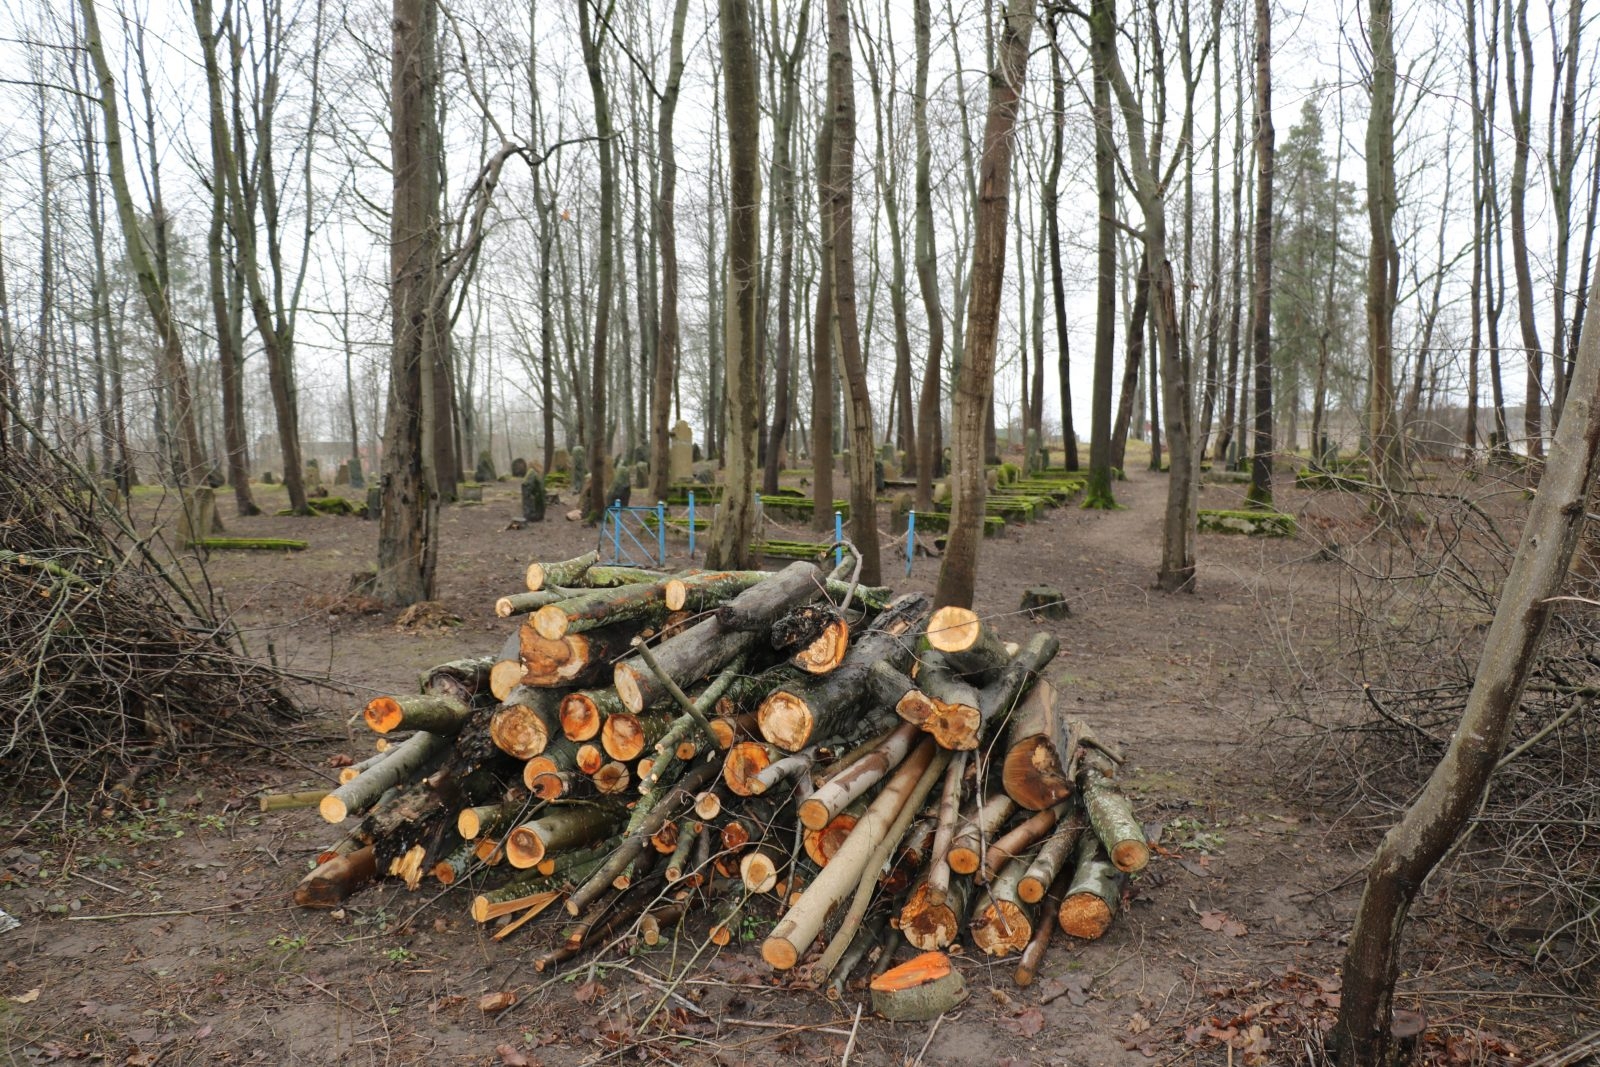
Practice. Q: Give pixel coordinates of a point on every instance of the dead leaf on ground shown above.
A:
(512, 1057)
(27, 998)
(1223, 922)
(588, 992)
(493, 1003)
(1138, 1024)
(1075, 987)
(1026, 1024)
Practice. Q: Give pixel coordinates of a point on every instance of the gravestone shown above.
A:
(641, 474)
(269, 478)
(680, 453)
(342, 475)
(580, 466)
(358, 480)
(484, 472)
(533, 496)
(374, 502)
(561, 461)
(519, 468)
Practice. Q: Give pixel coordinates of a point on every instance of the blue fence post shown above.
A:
(838, 536)
(691, 524)
(616, 530)
(661, 532)
(911, 539)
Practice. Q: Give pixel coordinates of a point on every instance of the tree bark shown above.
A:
(958, 572)
(1260, 492)
(667, 331)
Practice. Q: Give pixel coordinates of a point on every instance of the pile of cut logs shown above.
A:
(647, 744)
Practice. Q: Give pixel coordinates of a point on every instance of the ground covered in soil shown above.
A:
(157, 926)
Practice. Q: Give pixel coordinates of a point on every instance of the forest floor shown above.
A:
(162, 932)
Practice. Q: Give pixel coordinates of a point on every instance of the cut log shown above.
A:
(1020, 838)
(563, 785)
(583, 714)
(949, 814)
(473, 822)
(625, 736)
(1004, 925)
(758, 869)
(561, 754)
(1111, 815)
(613, 778)
(796, 930)
(828, 650)
(306, 798)
(998, 700)
(819, 706)
(462, 678)
(582, 659)
(922, 988)
(564, 828)
(789, 768)
(1094, 895)
(951, 713)
(970, 646)
(505, 676)
(401, 764)
(745, 760)
(1052, 859)
(1038, 765)
(698, 652)
(523, 603)
(523, 725)
(729, 729)
(441, 715)
(761, 605)
(1044, 927)
(591, 757)
(347, 773)
(979, 827)
(643, 604)
(823, 843)
(704, 591)
(532, 912)
(653, 925)
(689, 832)
(927, 925)
(336, 878)
(563, 572)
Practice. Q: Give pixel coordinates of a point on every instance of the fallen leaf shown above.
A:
(1026, 1024)
(203, 1033)
(588, 992)
(1234, 928)
(492, 1003)
(27, 998)
(1213, 920)
(512, 1057)
(1075, 987)
(139, 1059)
(1138, 1024)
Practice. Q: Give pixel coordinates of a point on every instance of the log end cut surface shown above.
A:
(1085, 915)
(922, 988)
(786, 721)
(952, 629)
(383, 714)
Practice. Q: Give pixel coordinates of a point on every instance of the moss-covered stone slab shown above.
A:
(1249, 523)
(1311, 478)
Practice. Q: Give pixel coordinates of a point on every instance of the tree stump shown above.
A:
(1046, 602)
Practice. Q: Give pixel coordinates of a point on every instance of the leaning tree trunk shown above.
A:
(735, 523)
(929, 411)
(1431, 825)
(958, 574)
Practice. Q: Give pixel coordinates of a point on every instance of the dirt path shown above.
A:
(1182, 683)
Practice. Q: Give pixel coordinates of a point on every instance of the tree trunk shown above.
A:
(1098, 494)
(1132, 363)
(1412, 848)
(1052, 220)
(598, 445)
(958, 572)
(1521, 100)
(1260, 492)
(1383, 263)
(735, 522)
(785, 185)
(667, 332)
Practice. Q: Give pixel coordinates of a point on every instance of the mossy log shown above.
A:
(1046, 602)
(252, 544)
(1111, 815)
(563, 572)
(1094, 894)
(764, 604)
(560, 754)
(625, 736)
(563, 827)
(642, 604)
(1250, 523)
(999, 699)
(524, 603)
(442, 715)
(697, 653)
(402, 763)
(1052, 858)
(920, 989)
(581, 659)
(461, 678)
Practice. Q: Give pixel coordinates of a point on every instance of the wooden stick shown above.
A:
(308, 798)
(841, 789)
(402, 763)
(1019, 839)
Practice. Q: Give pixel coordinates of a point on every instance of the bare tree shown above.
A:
(592, 35)
(1383, 257)
(1260, 492)
(666, 219)
(958, 572)
(735, 522)
(1520, 97)
(929, 411)
(1414, 845)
